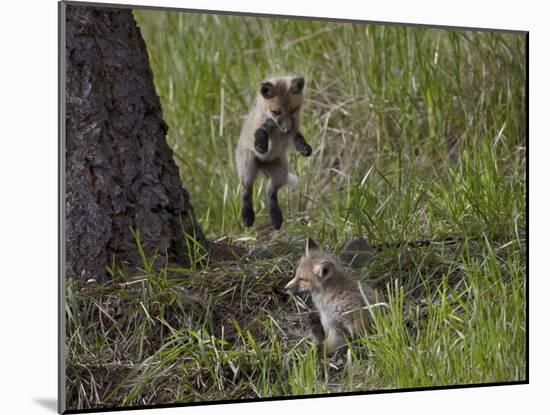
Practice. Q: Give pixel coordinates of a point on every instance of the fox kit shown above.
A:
(338, 297)
(269, 130)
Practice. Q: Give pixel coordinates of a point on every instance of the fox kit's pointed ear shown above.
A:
(311, 245)
(267, 89)
(297, 85)
(324, 270)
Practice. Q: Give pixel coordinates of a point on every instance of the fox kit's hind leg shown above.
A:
(277, 171)
(247, 167)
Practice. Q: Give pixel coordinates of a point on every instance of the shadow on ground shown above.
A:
(48, 403)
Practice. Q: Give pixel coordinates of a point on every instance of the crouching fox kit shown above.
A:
(339, 298)
(269, 130)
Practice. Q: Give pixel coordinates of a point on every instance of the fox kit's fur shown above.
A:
(269, 130)
(339, 298)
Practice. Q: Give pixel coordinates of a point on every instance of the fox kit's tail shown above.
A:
(292, 180)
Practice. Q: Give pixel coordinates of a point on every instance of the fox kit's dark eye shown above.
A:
(276, 112)
(294, 110)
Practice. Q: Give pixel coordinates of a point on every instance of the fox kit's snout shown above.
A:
(338, 297)
(269, 130)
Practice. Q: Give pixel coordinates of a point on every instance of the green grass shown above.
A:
(417, 134)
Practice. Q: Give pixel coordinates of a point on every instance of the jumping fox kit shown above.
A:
(269, 130)
(339, 298)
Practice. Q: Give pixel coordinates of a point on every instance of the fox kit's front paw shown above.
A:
(316, 331)
(301, 145)
(304, 149)
(261, 141)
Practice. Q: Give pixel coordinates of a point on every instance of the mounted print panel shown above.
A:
(270, 207)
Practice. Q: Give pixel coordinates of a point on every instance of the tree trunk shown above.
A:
(120, 174)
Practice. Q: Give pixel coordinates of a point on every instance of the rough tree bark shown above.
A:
(119, 169)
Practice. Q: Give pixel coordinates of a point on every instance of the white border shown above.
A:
(28, 163)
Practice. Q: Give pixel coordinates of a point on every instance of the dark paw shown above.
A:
(305, 149)
(261, 141)
(316, 327)
(247, 216)
(314, 318)
(276, 217)
(261, 146)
